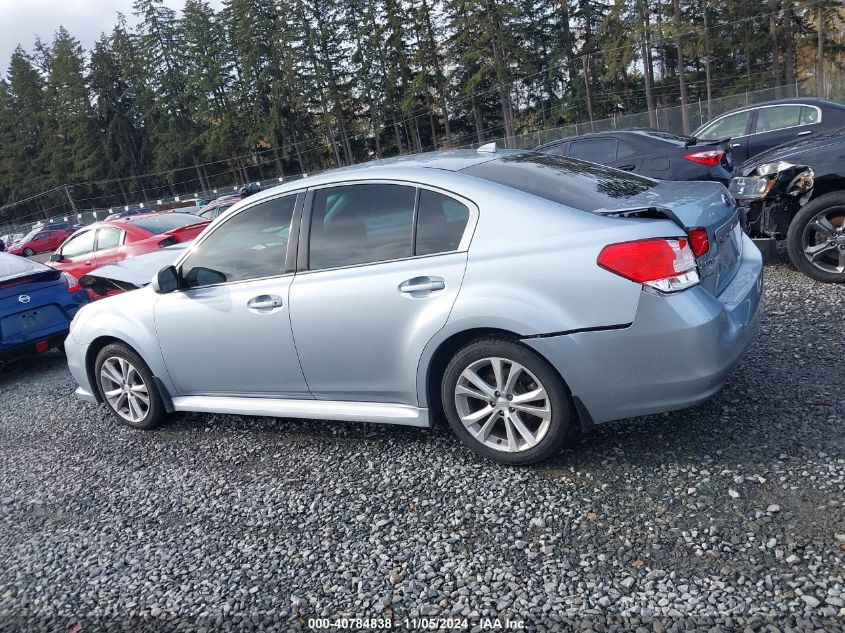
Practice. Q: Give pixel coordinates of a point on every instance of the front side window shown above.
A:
(597, 150)
(250, 245)
(108, 237)
(778, 117)
(357, 224)
(730, 126)
(79, 245)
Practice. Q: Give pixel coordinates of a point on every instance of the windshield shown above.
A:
(568, 181)
(157, 224)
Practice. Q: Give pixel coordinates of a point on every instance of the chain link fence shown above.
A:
(61, 205)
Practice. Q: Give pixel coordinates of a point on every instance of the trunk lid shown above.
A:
(707, 205)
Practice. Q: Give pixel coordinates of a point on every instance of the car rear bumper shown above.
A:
(76, 364)
(28, 349)
(677, 352)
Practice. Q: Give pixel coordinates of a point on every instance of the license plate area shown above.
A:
(23, 324)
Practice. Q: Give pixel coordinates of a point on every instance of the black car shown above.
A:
(797, 192)
(649, 153)
(754, 129)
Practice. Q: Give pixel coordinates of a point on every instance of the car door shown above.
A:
(784, 123)
(735, 126)
(76, 256)
(226, 330)
(380, 268)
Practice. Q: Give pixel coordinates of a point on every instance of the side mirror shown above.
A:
(166, 280)
(56, 257)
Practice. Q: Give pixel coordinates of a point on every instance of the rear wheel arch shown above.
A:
(451, 346)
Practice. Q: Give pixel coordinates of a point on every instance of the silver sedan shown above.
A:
(523, 295)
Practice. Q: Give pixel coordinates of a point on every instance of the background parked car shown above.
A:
(111, 241)
(218, 206)
(37, 304)
(797, 192)
(40, 241)
(649, 153)
(128, 213)
(754, 129)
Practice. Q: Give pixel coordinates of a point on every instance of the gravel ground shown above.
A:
(725, 517)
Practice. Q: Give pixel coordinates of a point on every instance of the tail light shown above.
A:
(710, 157)
(666, 264)
(72, 282)
(698, 241)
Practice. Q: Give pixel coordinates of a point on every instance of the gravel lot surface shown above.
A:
(725, 517)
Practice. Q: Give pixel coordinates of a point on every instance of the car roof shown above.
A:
(645, 133)
(814, 101)
(409, 166)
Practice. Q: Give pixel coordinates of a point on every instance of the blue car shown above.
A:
(37, 304)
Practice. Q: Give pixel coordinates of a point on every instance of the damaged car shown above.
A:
(796, 192)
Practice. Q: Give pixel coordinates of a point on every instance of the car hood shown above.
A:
(794, 152)
(139, 270)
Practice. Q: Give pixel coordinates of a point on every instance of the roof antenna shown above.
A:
(489, 148)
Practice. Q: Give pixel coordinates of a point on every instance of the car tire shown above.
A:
(28, 252)
(810, 237)
(125, 382)
(510, 427)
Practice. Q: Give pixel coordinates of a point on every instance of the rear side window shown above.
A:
(809, 115)
(777, 118)
(357, 224)
(441, 222)
(574, 183)
(596, 150)
(108, 237)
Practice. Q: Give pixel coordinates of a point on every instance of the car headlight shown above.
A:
(780, 177)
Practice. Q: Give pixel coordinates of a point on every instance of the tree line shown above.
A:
(170, 101)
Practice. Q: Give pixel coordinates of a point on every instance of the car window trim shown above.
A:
(788, 127)
(297, 208)
(752, 120)
(302, 266)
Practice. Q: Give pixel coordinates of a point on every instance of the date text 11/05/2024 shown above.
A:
(415, 624)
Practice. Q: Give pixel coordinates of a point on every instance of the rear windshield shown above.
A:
(12, 266)
(574, 183)
(166, 222)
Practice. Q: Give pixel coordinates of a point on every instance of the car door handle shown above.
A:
(736, 144)
(422, 284)
(87, 262)
(805, 132)
(264, 302)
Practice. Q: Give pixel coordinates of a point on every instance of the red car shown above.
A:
(39, 241)
(112, 241)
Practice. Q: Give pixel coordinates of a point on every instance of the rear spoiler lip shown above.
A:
(625, 212)
(691, 140)
(35, 273)
(182, 229)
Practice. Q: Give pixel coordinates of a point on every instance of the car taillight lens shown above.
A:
(72, 282)
(711, 157)
(666, 264)
(698, 241)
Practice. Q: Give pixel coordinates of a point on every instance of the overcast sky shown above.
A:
(21, 21)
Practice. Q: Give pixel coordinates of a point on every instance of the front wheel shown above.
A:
(505, 402)
(127, 387)
(816, 238)
(28, 252)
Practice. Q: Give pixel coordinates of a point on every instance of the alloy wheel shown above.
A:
(124, 389)
(503, 405)
(823, 240)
